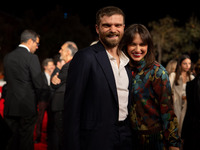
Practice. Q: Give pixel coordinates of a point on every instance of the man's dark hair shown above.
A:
(108, 11)
(46, 61)
(28, 34)
(56, 59)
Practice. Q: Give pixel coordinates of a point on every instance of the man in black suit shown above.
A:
(45, 98)
(190, 131)
(24, 83)
(58, 83)
(52, 141)
(97, 90)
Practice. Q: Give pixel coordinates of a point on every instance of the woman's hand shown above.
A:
(174, 148)
(184, 98)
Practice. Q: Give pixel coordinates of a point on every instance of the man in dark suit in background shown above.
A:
(58, 83)
(24, 83)
(191, 131)
(52, 140)
(45, 98)
(97, 90)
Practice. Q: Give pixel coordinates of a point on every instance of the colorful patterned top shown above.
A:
(152, 105)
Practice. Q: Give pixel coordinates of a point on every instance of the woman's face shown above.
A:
(137, 49)
(186, 65)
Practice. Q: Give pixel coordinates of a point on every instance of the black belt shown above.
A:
(151, 131)
(122, 123)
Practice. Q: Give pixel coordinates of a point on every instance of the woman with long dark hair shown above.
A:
(153, 120)
(178, 80)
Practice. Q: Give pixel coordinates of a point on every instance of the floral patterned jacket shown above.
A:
(152, 105)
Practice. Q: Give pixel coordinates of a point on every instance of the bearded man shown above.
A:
(97, 90)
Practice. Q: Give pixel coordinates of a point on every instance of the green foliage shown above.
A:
(171, 40)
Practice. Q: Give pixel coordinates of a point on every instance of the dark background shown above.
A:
(136, 11)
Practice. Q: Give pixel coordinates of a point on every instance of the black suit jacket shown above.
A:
(91, 103)
(24, 82)
(47, 91)
(191, 121)
(57, 103)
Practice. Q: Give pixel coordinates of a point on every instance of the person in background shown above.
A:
(58, 83)
(152, 117)
(5, 131)
(190, 130)
(97, 90)
(2, 84)
(171, 66)
(52, 140)
(48, 66)
(58, 63)
(23, 76)
(178, 80)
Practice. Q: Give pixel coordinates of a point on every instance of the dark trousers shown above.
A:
(123, 137)
(59, 132)
(22, 128)
(42, 107)
(5, 133)
(53, 138)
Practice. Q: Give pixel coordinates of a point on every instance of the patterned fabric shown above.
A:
(152, 105)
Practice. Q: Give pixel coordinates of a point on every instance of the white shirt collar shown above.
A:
(48, 77)
(122, 56)
(24, 46)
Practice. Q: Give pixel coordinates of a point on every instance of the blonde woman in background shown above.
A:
(171, 66)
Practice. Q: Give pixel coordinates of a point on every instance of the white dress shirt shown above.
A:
(48, 78)
(122, 83)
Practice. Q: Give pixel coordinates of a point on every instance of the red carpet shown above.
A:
(43, 144)
(38, 146)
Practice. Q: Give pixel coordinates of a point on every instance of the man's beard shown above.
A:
(110, 43)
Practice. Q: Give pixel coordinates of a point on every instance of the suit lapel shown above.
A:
(45, 78)
(130, 85)
(129, 77)
(104, 62)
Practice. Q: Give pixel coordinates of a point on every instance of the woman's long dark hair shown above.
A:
(178, 68)
(128, 38)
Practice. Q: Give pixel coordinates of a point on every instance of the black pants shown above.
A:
(22, 128)
(123, 136)
(5, 133)
(42, 106)
(58, 133)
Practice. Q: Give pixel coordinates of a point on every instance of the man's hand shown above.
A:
(55, 80)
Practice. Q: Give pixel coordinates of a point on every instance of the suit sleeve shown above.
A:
(162, 89)
(78, 75)
(36, 74)
(62, 76)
